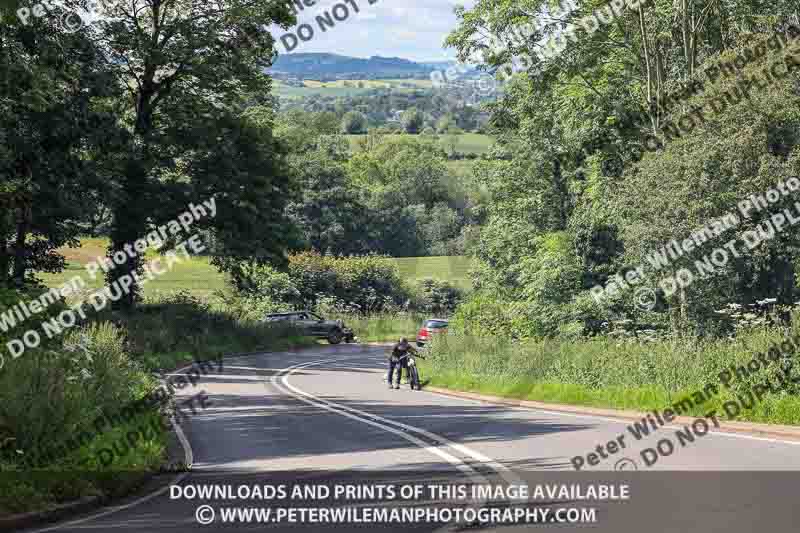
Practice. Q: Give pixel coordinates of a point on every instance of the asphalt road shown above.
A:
(325, 417)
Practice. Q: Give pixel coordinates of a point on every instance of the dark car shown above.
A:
(432, 326)
(313, 325)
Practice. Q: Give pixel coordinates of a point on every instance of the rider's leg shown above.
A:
(392, 366)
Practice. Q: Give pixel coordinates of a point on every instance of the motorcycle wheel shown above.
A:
(335, 337)
(414, 379)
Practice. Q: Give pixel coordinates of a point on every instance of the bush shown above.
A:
(368, 283)
(412, 120)
(486, 313)
(266, 281)
(359, 284)
(48, 393)
(437, 297)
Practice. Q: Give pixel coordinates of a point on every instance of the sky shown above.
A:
(410, 29)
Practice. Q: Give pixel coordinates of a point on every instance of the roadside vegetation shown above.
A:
(587, 195)
(616, 374)
(367, 292)
(383, 206)
(53, 393)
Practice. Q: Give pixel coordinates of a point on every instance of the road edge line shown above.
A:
(86, 504)
(733, 429)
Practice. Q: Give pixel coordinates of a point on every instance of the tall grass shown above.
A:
(608, 373)
(48, 397)
(180, 328)
(52, 394)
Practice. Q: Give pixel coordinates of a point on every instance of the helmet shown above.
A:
(403, 340)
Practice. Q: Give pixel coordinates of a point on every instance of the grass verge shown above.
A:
(51, 449)
(681, 375)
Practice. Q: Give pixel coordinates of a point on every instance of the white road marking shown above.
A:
(343, 411)
(501, 469)
(306, 397)
(622, 421)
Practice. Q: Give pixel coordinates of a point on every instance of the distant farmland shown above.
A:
(454, 269)
(468, 143)
(198, 277)
(346, 87)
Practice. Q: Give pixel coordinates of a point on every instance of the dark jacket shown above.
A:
(399, 350)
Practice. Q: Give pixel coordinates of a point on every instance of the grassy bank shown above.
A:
(609, 374)
(51, 396)
(180, 328)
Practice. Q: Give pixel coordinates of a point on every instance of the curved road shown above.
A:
(324, 415)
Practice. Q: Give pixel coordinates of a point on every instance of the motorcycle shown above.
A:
(412, 371)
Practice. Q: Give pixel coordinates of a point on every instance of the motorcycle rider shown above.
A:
(398, 362)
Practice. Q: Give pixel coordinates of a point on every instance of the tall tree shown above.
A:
(178, 59)
(51, 123)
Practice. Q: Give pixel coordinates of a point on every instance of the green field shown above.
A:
(453, 269)
(347, 87)
(195, 275)
(474, 143)
(468, 143)
(200, 278)
(288, 91)
(371, 84)
(461, 167)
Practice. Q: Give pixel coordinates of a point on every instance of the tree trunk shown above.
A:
(23, 224)
(5, 259)
(653, 67)
(130, 224)
(6, 225)
(562, 194)
(131, 211)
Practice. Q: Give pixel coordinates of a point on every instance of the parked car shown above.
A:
(432, 326)
(313, 325)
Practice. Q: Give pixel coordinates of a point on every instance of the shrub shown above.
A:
(488, 314)
(412, 120)
(437, 297)
(366, 283)
(353, 123)
(267, 282)
(50, 392)
(359, 284)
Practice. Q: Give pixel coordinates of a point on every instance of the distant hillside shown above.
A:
(332, 66)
